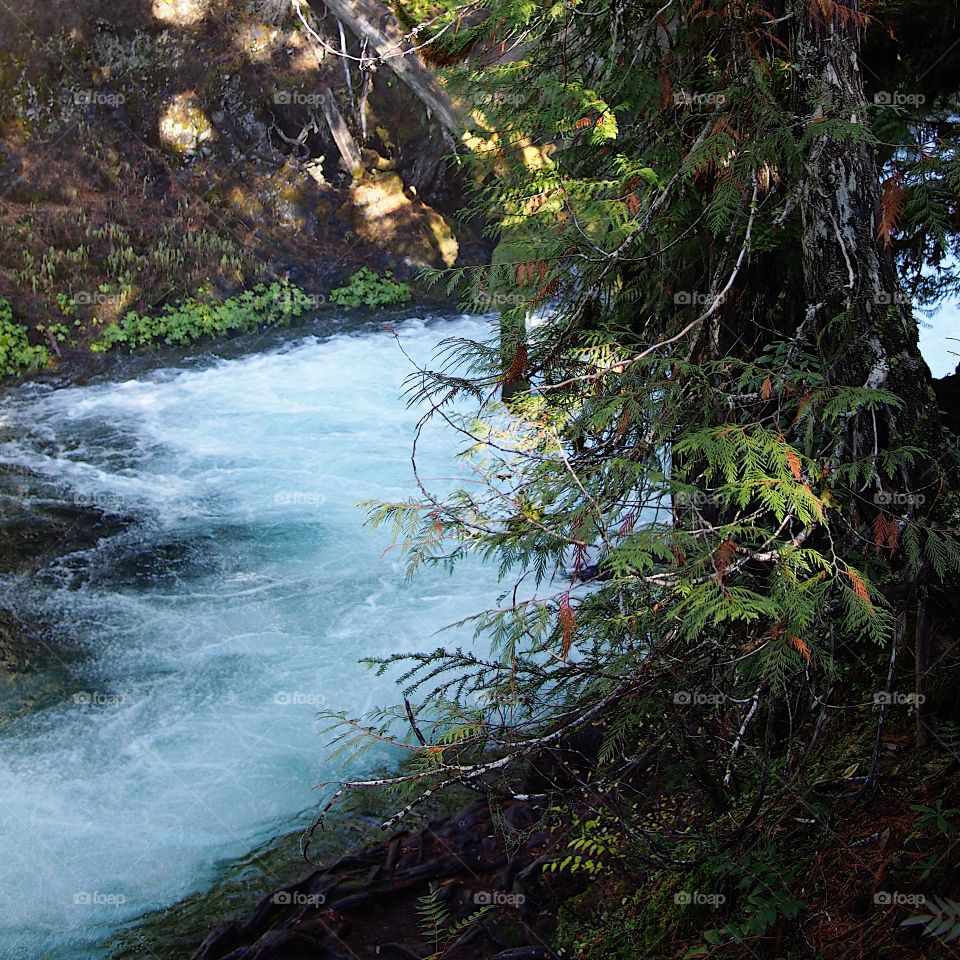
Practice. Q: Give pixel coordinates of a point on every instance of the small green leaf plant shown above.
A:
(942, 921)
(436, 926)
(944, 821)
(366, 289)
(593, 847)
(277, 304)
(762, 895)
(17, 355)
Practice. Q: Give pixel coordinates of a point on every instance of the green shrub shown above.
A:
(262, 306)
(16, 353)
(366, 289)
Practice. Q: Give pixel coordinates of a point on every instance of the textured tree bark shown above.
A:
(376, 22)
(862, 323)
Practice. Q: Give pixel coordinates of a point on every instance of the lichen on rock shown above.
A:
(184, 127)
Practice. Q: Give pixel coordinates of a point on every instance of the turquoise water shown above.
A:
(216, 625)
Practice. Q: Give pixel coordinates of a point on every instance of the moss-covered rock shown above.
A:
(184, 127)
(384, 209)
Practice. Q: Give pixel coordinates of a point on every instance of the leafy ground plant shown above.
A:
(441, 932)
(366, 289)
(262, 306)
(942, 920)
(17, 355)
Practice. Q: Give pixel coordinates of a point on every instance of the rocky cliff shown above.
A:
(154, 149)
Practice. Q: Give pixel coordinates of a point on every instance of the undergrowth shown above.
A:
(17, 354)
(263, 306)
(366, 289)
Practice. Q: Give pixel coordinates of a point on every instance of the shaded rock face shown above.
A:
(35, 530)
(131, 130)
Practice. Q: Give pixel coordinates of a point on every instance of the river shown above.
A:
(232, 606)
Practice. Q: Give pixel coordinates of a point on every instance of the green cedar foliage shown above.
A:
(702, 522)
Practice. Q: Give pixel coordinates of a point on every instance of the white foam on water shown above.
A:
(216, 627)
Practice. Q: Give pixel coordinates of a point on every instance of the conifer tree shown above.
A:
(719, 490)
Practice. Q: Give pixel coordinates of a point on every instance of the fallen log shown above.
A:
(349, 153)
(376, 22)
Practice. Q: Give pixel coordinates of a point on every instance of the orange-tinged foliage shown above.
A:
(886, 533)
(793, 462)
(859, 587)
(531, 271)
(519, 364)
(800, 646)
(725, 553)
(830, 10)
(891, 205)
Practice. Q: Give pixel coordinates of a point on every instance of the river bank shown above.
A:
(363, 895)
(156, 152)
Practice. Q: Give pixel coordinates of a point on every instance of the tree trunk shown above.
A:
(849, 275)
(862, 323)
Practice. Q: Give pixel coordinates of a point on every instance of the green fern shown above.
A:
(942, 921)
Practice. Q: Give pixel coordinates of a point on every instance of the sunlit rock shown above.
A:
(184, 127)
(180, 12)
(385, 214)
(257, 40)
